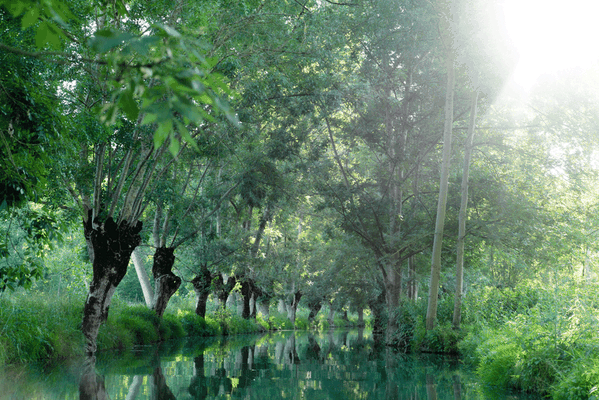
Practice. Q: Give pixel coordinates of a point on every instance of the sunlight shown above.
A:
(551, 36)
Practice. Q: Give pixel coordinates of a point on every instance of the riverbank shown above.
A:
(34, 326)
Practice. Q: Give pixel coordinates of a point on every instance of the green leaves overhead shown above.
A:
(166, 79)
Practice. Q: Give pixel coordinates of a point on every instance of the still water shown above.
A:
(284, 365)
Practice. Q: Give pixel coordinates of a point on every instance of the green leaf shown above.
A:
(129, 105)
(107, 39)
(41, 36)
(162, 132)
(168, 30)
(30, 17)
(149, 118)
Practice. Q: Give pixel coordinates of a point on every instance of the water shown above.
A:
(343, 365)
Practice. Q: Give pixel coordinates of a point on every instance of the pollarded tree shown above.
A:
(149, 83)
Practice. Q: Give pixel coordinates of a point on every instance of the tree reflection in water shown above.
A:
(332, 365)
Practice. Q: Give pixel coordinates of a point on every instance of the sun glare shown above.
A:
(551, 36)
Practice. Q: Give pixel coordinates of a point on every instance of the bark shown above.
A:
(314, 307)
(377, 308)
(431, 312)
(331, 317)
(201, 285)
(412, 283)
(165, 282)
(457, 309)
(223, 290)
(361, 317)
(111, 246)
(247, 289)
(142, 276)
(292, 308)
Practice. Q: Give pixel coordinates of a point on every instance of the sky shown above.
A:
(551, 36)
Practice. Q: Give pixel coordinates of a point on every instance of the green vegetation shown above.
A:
(325, 163)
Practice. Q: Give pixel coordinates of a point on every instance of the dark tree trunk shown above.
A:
(360, 317)
(91, 384)
(377, 307)
(111, 246)
(223, 290)
(247, 289)
(314, 307)
(202, 284)
(165, 282)
(293, 306)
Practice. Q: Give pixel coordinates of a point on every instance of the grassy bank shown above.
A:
(538, 338)
(36, 326)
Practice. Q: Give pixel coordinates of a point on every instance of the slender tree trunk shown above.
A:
(201, 285)
(165, 282)
(112, 246)
(412, 281)
(431, 312)
(459, 288)
(142, 276)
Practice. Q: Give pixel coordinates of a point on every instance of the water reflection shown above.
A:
(334, 365)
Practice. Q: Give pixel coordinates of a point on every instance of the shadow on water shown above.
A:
(292, 365)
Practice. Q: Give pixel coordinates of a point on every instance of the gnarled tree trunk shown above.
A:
(111, 246)
(202, 284)
(165, 282)
(223, 290)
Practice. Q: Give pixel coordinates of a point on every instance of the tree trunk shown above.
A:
(377, 308)
(223, 290)
(165, 282)
(412, 281)
(314, 307)
(331, 317)
(246, 293)
(459, 287)
(142, 276)
(360, 317)
(264, 307)
(112, 246)
(431, 312)
(201, 285)
(292, 309)
(392, 293)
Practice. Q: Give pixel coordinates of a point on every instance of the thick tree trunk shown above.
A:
(247, 290)
(201, 285)
(392, 294)
(112, 246)
(165, 282)
(142, 276)
(360, 317)
(459, 287)
(431, 312)
(223, 290)
(314, 307)
(331, 317)
(377, 307)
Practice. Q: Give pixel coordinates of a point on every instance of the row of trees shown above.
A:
(314, 150)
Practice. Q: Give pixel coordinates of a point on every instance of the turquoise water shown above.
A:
(343, 365)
